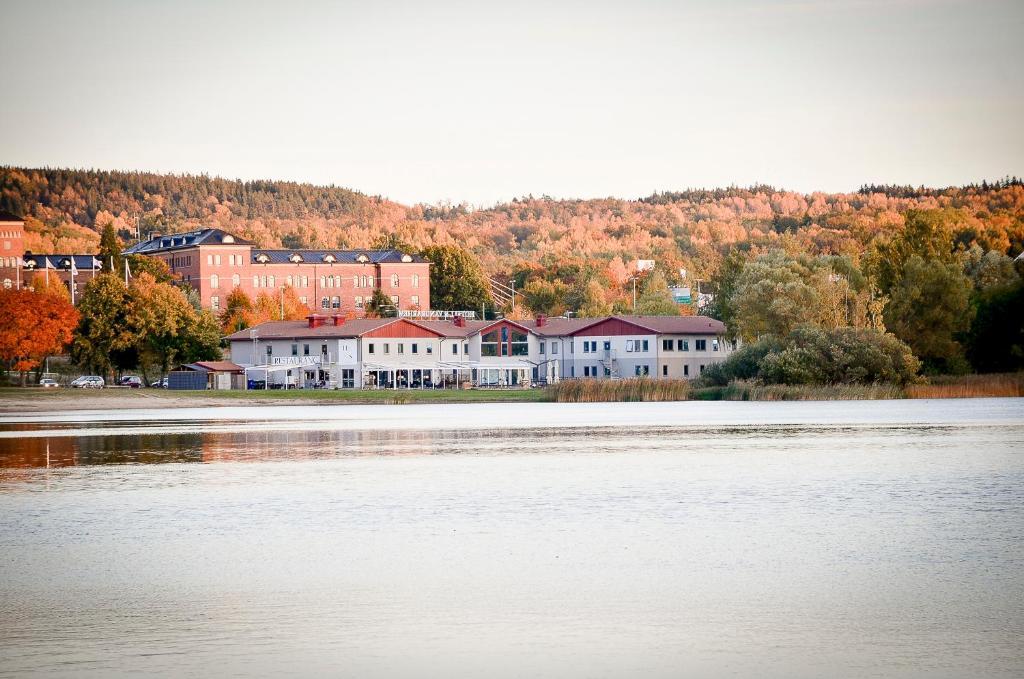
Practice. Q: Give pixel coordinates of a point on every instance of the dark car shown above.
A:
(133, 381)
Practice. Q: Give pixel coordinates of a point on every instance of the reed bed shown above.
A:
(969, 386)
(633, 389)
(748, 391)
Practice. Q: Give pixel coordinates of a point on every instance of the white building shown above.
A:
(335, 352)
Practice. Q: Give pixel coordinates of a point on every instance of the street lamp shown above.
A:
(69, 265)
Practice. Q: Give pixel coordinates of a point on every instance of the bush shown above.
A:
(815, 356)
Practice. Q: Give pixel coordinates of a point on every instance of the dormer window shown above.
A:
(295, 258)
(362, 258)
(228, 238)
(263, 258)
(330, 259)
(406, 258)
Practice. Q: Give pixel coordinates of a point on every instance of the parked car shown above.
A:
(160, 384)
(133, 381)
(88, 382)
(46, 382)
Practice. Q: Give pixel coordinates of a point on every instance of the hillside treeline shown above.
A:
(567, 243)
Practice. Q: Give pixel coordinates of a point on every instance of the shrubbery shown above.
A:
(816, 356)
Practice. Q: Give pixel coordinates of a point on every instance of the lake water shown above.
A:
(852, 539)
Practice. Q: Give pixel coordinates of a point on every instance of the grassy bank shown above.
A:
(596, 391)
(944, 386)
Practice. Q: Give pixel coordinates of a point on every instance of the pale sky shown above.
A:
(480, 102)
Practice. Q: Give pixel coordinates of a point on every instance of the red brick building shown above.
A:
(214, 262)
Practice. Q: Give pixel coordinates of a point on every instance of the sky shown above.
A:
(481, 102)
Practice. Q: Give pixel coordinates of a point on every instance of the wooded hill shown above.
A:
(527, 237)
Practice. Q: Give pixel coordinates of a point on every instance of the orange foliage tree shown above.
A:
(32, 327)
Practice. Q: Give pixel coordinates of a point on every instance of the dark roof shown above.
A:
(215, 366)
(176, 241)
(55, 261)
(340, 256)
(666, 325)
(558, 326)
(297, 329)
(6, 216)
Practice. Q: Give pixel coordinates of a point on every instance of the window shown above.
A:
(683, 345)
(394, 280)
(586, 347)
(645, 345)
(214, 281)
(366, 281)
(714, 345)
(586, 371)
(489, 344)
(664, 371)
(348, 378)
(270, 350)
(215, 302)
(455, 349)
(304, 299)
(335, 302)
(465, 348)
(255, 281)
(330, 282)
(414, 300)
(394, 300)
(401, 348)
(236, 280)
(415, 280)
(666, 345)
(430, 349)
(702, 368)
(387, 348)
(686, 371)
(325, 303)
(701, 345)
(369, 348)
(542, 349)
(216, 260)
(337, 281)
(323, 282)
(305, 350)
(305, 281)
(554, 347)
(414, 348)
(642, 370)
(231, 259)
(355, 281)
(289, 280)
(359, 302)
(295, 350)
(630, 345)
(263, 282)
(520, 343)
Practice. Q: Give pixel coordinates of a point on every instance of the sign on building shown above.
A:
(435, 315)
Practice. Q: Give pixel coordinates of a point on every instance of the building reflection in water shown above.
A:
(243, 446)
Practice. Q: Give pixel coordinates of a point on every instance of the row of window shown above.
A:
(684, 345)
(10, 234)
(505, 342)
(183, 260)
(414, 348)
(233, 260)
(9, 262)
(642, 370)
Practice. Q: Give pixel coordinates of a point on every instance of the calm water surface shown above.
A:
(857, 539)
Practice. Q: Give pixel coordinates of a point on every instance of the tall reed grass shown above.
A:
(749, 391)
(969, 386)
(632, 389)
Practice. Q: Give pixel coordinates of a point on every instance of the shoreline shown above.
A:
(37, 400)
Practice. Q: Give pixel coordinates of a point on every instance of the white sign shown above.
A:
(443, 315)
(295, 360)
(644, 264)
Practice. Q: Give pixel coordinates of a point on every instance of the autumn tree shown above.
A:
(110, 250)
(456, 280)
(238, 312)
(33, 326)
(927, 234)
(380, 305)
(283, 306)
(929, 308)
(104, 340)
(656, 299)
(545, 297)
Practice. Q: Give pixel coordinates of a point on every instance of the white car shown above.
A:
(88, 382)
(46, 382)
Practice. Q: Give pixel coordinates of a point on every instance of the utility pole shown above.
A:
(513, 284)
(634, 295)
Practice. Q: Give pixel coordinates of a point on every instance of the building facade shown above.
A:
(215, 263)
(338, 352)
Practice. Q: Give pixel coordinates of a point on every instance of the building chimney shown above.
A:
(542, 320)
(315, 321)
(339, 319)
(460, 321)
